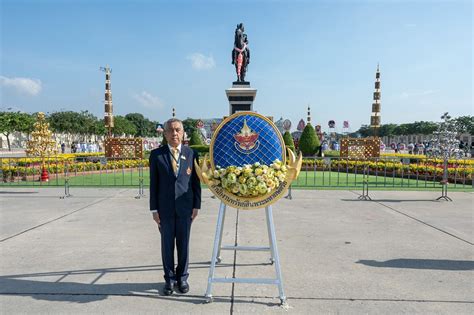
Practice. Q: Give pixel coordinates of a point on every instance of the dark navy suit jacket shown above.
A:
(169, 194)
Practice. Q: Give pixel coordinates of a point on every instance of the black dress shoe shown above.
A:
(183, 286)
(168, 289)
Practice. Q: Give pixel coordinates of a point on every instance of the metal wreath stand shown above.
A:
(272, 248)
(294, 168)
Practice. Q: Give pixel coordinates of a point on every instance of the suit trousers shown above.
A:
(175, 229)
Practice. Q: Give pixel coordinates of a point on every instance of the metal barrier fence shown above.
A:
(90, 171)
(386, 172)
(337, 173)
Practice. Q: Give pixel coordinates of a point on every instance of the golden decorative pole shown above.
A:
(375, 117)
(108, 115)
(41, 144)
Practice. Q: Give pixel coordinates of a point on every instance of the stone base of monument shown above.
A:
(241, 97)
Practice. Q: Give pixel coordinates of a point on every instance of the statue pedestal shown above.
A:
(241, 97)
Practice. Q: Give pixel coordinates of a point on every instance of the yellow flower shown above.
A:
(235, 188)
(243, 189)
(262, 188)
(232, 178)
(270, 183)
(252, 181)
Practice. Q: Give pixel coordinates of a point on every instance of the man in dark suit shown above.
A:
(175, 199)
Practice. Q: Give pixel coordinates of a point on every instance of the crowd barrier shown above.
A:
(398, 173)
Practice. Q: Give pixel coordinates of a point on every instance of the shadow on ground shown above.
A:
(395, 200)
(434, 264)
(68, 291)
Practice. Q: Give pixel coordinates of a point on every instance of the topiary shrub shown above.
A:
(195, 139)
(309, 141)
(288, 139)
(201, 149)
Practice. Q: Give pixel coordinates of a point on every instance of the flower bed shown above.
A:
(20, 168)
(458, 171)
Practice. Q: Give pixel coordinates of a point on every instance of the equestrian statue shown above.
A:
(240, 53)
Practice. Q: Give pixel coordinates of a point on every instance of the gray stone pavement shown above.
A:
(98, 252)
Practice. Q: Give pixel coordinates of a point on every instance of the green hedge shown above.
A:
(331, 153)
(201, 149)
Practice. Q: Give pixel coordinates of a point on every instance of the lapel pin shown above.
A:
(183, 157)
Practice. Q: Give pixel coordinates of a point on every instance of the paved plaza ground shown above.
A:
(99, 252)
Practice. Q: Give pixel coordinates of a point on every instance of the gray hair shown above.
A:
(170, 121)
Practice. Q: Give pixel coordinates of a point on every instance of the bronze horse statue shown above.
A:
(240, 53)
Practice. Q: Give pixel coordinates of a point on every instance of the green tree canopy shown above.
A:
(9, 122)
(88, 123)
(387, 130)
(84, 123)
(144, 126)
(65, 122)
(123, 126)
(466, 124)
(15, 122)
(390, 130)
(189, 125)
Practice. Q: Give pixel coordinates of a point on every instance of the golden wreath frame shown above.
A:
(249, 203)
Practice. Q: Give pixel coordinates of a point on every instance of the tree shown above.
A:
(65, 122)
(15, 121)
(189, 125)
(99, 128)
(387, 130)
(123, 126)
(309, 141)
(195, 138)
(8, 123)
(26, 123)
(365, 131)
(427, 127)
(401, 129)
(288, 139)
(144, 127)
(466, 124)
(74, 123)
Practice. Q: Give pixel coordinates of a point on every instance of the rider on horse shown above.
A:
(240, 53)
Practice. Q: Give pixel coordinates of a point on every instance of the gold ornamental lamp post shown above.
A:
(41, 144)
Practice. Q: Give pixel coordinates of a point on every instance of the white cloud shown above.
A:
(416, 94)
(22, 85)
(201, 62)
(148, 100)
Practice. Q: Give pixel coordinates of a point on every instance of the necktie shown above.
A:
(174, 160)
